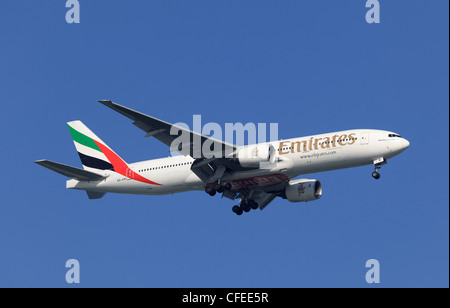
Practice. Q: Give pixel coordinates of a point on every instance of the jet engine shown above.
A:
(303, 190)
(253, 156)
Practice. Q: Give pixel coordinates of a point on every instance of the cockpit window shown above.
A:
(394, 136)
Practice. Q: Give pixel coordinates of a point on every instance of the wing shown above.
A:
(212, 157)
(169, 134)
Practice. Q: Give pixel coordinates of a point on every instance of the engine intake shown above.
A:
(303, 190)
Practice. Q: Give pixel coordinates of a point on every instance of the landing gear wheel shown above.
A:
(216, 186)
(237, 210)
(226, 185)
(253, 205)
(376, 175)
(245, 207)
(212, 193)
(208, 189)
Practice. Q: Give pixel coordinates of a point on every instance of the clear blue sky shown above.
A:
(311, 66)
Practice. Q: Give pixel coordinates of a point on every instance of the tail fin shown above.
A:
(95, 155)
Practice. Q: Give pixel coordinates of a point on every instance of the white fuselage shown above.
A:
(295, 157)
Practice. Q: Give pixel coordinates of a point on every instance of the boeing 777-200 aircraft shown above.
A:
(254, 174)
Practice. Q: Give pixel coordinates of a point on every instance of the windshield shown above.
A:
(394, 136)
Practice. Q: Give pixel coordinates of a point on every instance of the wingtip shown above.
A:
(105, 102)
(72, 123)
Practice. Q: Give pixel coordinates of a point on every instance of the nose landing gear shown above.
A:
(376, 175)
(378, 163)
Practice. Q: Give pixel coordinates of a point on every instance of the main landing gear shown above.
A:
(225, 187)
(212, 189)
(245, 207)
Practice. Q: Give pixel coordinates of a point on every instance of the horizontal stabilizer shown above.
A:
(69, 171)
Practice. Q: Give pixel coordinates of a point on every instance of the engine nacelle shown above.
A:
(303, 190)
(252, 156)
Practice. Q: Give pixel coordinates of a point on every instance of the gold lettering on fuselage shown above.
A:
(282, 145)
(342, 140)
(297, 146)
(316, 143)
(352, 139)
(287, 147)
(326, 143)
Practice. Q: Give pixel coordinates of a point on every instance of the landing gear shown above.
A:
(375, 174)
(217, 187)
(245, 207)
(253, 205)
(225, 185)
(212, 189)
(246, 204)
(237, 210)
(378, 163)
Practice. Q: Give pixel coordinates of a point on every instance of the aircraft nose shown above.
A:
(405, 144)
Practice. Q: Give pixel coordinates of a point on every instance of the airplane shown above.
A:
(253, 174)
